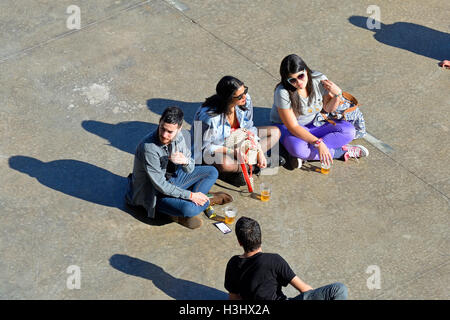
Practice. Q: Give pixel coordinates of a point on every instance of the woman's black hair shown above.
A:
(225, 90)
(294, 64)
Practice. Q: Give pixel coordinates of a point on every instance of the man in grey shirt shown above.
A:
(165, 178)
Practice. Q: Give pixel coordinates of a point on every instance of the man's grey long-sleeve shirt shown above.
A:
(149, 170)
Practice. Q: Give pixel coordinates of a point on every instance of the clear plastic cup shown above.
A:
(325, 168)
(266, 191)
(230, 214)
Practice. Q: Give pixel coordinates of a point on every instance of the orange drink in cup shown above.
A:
(265, 192)
(230, 214)
(325, 167)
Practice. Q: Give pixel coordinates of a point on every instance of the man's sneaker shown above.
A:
(295, 163)
(220, 198)
(356, 151)
(188, 222)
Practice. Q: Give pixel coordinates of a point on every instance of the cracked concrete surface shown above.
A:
(74, 104)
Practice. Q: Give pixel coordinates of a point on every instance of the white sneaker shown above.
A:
(356, 151)
(296, 163)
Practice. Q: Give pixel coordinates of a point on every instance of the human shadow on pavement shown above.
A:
(81, 180)
(158, 105)
(124, 136)
(409, 36)
(176, 288)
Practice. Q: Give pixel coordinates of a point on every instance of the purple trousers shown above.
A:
(334, 137)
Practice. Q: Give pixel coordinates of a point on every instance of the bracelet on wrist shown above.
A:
(339, 94)
(318, 142)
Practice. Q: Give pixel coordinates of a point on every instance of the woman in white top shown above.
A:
(298, 98)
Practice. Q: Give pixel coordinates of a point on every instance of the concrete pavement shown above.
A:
(74, 103)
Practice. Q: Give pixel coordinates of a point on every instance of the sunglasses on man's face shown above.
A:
(300, 77)
(239, 97)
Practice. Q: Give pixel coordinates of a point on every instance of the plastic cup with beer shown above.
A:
(230, 214)
(265, 192)
(325, 167)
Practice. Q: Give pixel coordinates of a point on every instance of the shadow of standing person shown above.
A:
(409, 36)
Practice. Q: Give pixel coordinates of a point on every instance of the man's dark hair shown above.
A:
(248, 233)
(172, 115)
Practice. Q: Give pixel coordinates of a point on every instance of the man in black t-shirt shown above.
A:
(259, 276)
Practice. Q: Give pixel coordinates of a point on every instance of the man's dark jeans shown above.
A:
(199, 180)
(334, 291)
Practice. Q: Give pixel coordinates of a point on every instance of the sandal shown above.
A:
(445, 64)
(220, 198)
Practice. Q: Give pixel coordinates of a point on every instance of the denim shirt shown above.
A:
(149, 169)
(209, 132)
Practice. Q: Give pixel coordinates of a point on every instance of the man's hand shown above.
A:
(199, 198)
(234, 296)
(178, 158)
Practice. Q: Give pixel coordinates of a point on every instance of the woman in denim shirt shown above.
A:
(229, 109)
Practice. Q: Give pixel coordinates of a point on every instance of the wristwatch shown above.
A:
(318, 142)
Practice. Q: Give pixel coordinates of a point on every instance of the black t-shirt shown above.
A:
(259, 277)
(170, 170)
(169, 165)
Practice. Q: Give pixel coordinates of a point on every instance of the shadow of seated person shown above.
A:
(124, 136)
(158, 105)
(178, 289)
(80, 180)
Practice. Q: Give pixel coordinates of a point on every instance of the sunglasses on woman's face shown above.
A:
(300, 77)
(239, 97)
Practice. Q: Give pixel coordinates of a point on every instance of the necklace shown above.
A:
(231, 116)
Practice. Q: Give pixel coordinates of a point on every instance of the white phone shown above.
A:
(222, 227)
